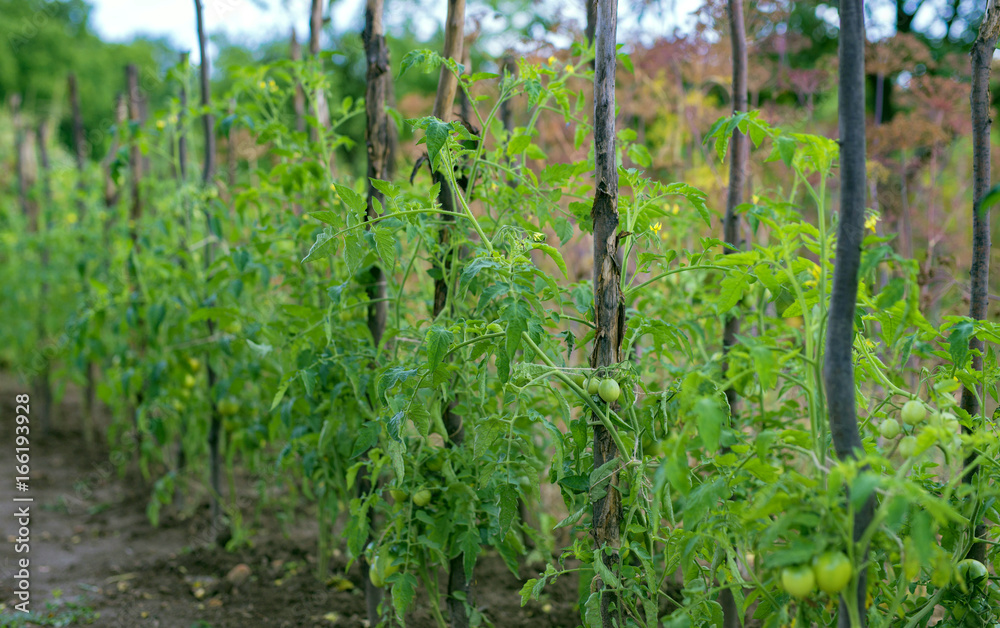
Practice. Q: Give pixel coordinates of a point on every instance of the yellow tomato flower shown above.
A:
(172, 118)
(71, 218)
(676, 209)
(569, 69)
(870, 222)
(655, 228)
(756, 199)
(262, 85)
(160, 124)
(272, 86)
(552, 60)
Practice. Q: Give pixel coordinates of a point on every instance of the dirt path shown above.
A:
(95, 559)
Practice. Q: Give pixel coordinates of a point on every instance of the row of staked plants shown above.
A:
(234, 314)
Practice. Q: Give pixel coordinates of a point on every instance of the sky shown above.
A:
(255, 21)
(250, 21)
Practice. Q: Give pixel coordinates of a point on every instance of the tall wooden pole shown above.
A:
(80, 156)
(24, 177)
(112, 193)
(444, 100)
(300, 96)
(208, 172)
(609, 306)
(838, 364)
(380, 144)
(182, 119)
(731, 228)
(320, 106)
(136, 163)
(44, 381)
(591, 26)
(135, 155)
(982, 56)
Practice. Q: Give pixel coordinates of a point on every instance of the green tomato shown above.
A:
(234, 327)
(833, 571)
(974, 574)
(194, 364)
(889, 429)
(375, 576)
(388, 567)
(652, 448)
(609, 390)
(398, 495)
(422, 497)
(907, 446)
(380, 569)
(592, 385)
(948, 421)
(436, 462)
(189, 381)
(798, 581)
(913, 412)
(229, 406)
(579, 380)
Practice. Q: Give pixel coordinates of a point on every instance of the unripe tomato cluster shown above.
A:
(606, 388)
(913, 414)
(831, 571)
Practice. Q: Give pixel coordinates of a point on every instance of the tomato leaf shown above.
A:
(507, 503)
(385, 245)
(436, 342)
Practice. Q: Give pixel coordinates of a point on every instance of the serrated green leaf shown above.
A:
(526, 590)
(385, 245)
(403, 591)
(420, 417)
(325, 243)
(507, 503)
(327, 216)
(437, 136)
(437, 342)
(353, 200)
(958, 343)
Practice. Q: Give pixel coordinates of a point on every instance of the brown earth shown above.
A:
(97, 560)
